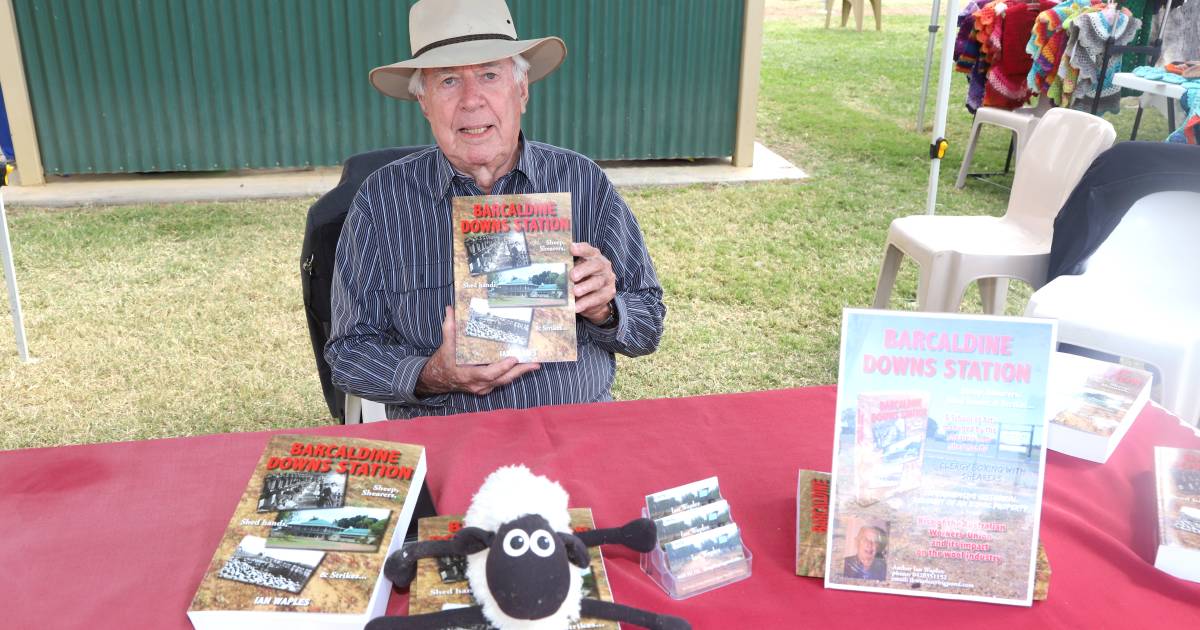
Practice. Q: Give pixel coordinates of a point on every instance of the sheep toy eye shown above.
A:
(542, 543)
(516, 543)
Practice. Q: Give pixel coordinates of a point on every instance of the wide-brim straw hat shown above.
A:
(448, 33)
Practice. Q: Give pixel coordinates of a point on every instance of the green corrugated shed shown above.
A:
(200, 85)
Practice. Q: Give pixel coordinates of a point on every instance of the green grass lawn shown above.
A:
(169, 320)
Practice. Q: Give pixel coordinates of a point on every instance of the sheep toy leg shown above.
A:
(627, 614)
(638, 534)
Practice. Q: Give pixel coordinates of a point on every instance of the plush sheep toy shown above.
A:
(523, 562)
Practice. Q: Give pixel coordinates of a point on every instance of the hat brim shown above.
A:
(544, 56)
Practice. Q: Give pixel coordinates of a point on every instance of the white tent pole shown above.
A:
(943, 104)
(933, 29)
(10, 276)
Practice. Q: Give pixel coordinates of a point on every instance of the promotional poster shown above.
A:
(939, 455)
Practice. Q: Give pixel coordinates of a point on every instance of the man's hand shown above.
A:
(595, 282)
(440, 374)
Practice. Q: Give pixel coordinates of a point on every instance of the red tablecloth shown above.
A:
(118, 535)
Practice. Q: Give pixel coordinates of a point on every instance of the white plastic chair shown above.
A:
(359, 410)
(1021, 122)
(1139, 297)
(954, 251)
(857, 6)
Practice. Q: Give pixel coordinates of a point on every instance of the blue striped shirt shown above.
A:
(394, 276)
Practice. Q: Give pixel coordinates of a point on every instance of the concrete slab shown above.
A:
(85, 190)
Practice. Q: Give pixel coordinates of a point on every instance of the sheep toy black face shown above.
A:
(523, 563)
(526, 547)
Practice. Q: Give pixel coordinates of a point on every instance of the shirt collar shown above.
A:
(529, 164)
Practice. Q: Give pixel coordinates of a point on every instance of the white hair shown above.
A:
(416, 82)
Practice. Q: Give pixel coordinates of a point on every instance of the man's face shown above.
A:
(868, 545)
(475, 113)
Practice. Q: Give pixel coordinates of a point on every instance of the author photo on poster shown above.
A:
(868, 561)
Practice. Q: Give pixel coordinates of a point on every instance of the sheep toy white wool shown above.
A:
(524, 564)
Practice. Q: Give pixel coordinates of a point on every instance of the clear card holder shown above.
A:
(682, 587)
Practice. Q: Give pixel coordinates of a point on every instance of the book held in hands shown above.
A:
(513, 296)
(306, 544)
(939, 456)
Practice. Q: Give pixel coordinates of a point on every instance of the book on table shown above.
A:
(1091, 404)
(306, 544)
(441, 583)
(513, 295)
(938, 458)
(1177, 473)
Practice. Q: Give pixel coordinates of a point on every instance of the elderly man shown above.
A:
(393, 323)
(867, 563)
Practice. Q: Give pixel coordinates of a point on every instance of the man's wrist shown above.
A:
(422, 388)
(610, 320)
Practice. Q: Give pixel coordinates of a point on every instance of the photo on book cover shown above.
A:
(289, 490)
(509, 326)
(683, 498)
(283, 569)
(1099, 395)
(452, 569)
(939, 455)
(342, 529)
(491, 252)
(1186, 497)
(542, 284)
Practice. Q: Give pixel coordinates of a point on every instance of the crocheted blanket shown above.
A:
(1095, 28)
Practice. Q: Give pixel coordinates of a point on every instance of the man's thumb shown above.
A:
(448, 325)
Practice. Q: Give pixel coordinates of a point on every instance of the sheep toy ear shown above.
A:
(471, 540)
(577, 552)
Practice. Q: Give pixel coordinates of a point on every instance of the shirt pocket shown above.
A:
(418, 301)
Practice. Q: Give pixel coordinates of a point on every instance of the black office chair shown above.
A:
(321, 232)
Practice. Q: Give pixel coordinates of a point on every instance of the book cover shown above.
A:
(1177, 473)
(812, 522)
(513, 296)
(441, 583)
(889, 439)
(1091, 404)
(307, 542)
(812, 532)
(939, 462)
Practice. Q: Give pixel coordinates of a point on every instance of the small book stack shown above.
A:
(1177, 472)
(699, 546)
(1091, 404)
(441, 583)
